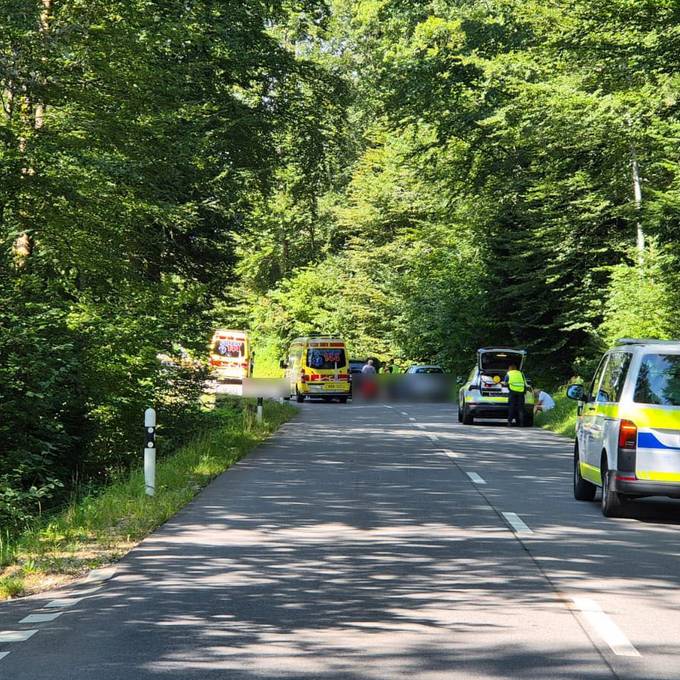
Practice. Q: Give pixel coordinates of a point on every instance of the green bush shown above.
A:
(562, 418)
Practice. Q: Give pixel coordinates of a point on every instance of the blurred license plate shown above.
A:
(332, 386)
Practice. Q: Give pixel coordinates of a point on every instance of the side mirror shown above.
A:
(473, 387)
(576, 392)
(283, 364)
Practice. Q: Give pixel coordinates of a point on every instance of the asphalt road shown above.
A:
(376, 542)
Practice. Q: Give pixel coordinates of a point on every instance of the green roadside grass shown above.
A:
(99, 529)
(562, 418)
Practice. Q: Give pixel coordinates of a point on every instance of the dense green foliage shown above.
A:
(492, 195)
(137, 139)
(420, 177)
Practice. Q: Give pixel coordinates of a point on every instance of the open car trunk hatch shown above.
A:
(496, 361)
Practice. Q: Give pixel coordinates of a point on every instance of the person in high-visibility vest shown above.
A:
(516, 383)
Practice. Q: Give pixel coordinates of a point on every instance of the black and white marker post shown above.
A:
(260, 407)
(150, 452)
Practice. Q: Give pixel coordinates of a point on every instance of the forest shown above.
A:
(420, 178)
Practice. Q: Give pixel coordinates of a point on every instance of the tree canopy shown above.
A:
(421, 178)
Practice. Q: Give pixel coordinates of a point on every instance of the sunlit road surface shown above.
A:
(377, 542)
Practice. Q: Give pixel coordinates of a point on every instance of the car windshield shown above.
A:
(325, 358)
(233, 349)
(428, 369)
(659, 380)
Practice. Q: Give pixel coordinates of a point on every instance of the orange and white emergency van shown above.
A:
(231, 358)
(318, 366)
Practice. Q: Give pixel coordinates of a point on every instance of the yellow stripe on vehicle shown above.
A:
(590, 472)
(652, 476)
(644, 417)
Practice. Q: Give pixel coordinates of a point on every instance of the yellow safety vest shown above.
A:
(516, 381)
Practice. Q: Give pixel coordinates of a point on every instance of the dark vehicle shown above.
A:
(424, 369)
(355, 366)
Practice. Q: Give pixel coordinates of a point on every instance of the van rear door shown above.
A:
(657, 416)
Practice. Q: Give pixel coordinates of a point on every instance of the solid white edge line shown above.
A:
(475, 478)
(40, 618)
(3, 655)
(517, 524)
(605, 627)
(16, 635)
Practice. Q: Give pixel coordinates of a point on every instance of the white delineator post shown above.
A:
(150, 452)
(260, 406)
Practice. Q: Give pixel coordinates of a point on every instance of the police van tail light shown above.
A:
(627, 435)
(627, 451)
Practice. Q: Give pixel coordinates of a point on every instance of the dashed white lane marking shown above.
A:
(420, 426)
(413, 420)
(475, 478)
(64, 602)
(451, 454)
(40, 618)
(605, 627)
(433, 437)
(3, 655)
(16, 635)
(517, 524)
(403, 413)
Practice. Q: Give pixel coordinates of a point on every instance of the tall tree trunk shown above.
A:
(23, 246)
(637, 193)
(45, 15)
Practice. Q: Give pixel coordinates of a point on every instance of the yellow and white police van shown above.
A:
(628, 427)
(483, 395)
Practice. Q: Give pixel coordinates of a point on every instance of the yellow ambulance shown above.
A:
(231, 357)
(317, 366)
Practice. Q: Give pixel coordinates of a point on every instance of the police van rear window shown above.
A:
(658, 381)
(323, 358)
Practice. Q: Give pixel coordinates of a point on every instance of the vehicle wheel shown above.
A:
(612, 503)
(468, 418)
(583, 489)
(299, 397)
(343, 400)
(460, 413)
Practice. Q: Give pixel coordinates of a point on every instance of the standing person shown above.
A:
(369, 381)
(368, 368)
(516, 383)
